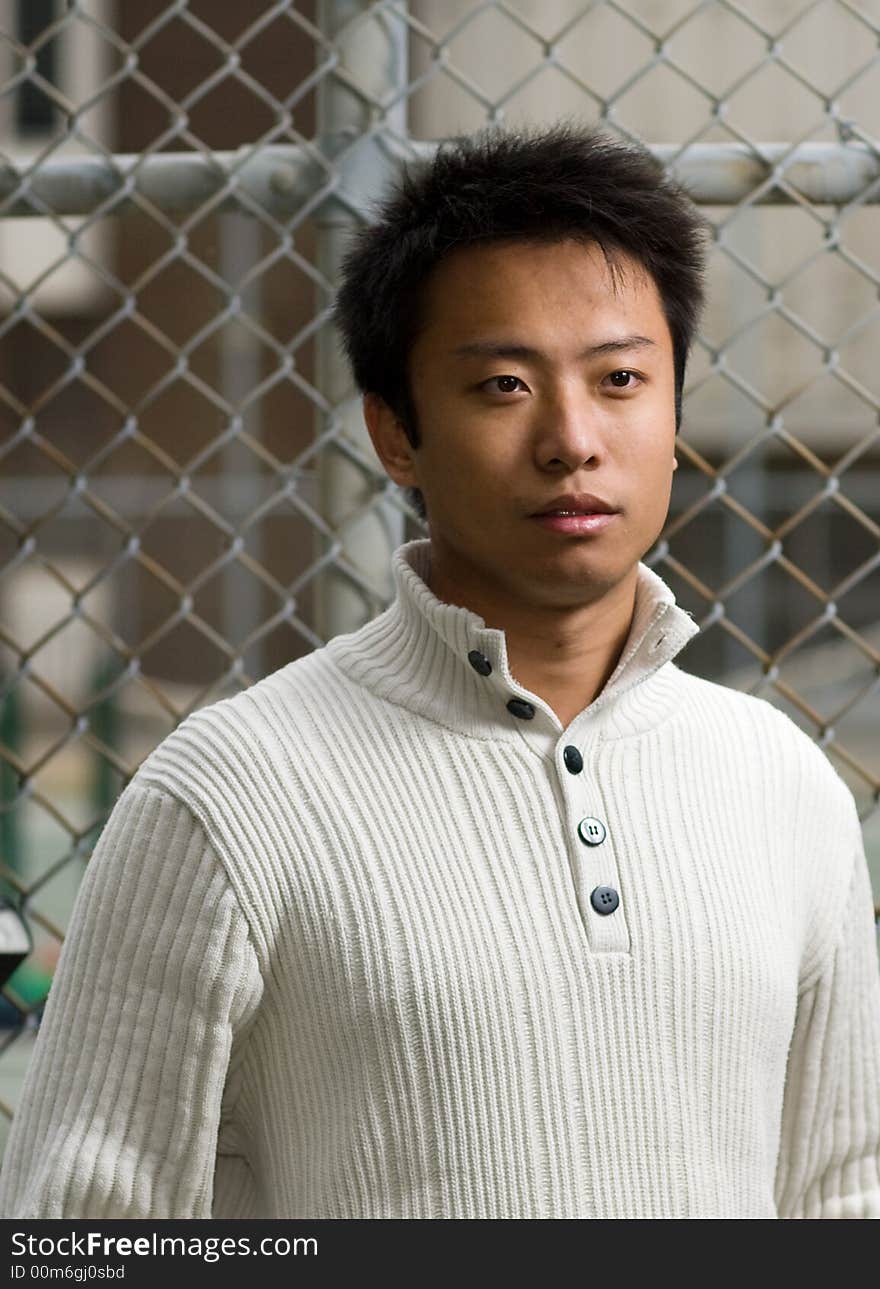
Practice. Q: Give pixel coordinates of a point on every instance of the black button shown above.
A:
(574, 762)
(519, 707)
(604, 899)
(479, 662)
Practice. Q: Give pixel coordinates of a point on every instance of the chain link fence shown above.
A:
(188, 496)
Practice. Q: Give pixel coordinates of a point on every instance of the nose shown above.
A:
(568, 429)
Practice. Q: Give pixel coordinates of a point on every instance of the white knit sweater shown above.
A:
(335, 953)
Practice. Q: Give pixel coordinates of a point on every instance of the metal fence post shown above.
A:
(373, 47)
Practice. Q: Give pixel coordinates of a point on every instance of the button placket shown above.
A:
(594, 874)
(592, 860)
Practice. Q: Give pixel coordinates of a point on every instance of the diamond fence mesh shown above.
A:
(188, 496)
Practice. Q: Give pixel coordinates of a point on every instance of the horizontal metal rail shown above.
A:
(283, 179)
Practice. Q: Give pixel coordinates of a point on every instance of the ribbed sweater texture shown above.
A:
(335, 953)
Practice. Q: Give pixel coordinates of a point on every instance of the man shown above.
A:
(487, 909)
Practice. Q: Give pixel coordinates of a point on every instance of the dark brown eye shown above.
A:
(510, 387)
(621, 379)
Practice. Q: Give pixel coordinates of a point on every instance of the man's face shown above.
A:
(503, 434)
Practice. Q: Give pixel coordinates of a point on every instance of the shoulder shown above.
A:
(232, 747)
(774, 744)
(806, 811)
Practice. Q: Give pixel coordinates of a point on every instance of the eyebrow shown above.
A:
(510, 349)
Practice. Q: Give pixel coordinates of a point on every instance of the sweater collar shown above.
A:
(441, 661)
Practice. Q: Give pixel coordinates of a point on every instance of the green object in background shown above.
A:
(31, 982)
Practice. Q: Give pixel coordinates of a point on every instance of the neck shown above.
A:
(564, 654)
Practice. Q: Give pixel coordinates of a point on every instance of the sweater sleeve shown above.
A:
(829, 1161)
(153, 992)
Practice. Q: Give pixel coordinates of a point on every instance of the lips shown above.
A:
(576, 525)
(579, 503)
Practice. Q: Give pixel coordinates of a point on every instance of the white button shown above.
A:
(592, 831)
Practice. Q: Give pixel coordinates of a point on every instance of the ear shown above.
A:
(389, 440)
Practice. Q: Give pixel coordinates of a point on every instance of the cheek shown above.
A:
(656, 470)
(652, 437)
(649, 471)
(473, 455)
(646, 456)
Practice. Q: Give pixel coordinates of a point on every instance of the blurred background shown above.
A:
(188, 497)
